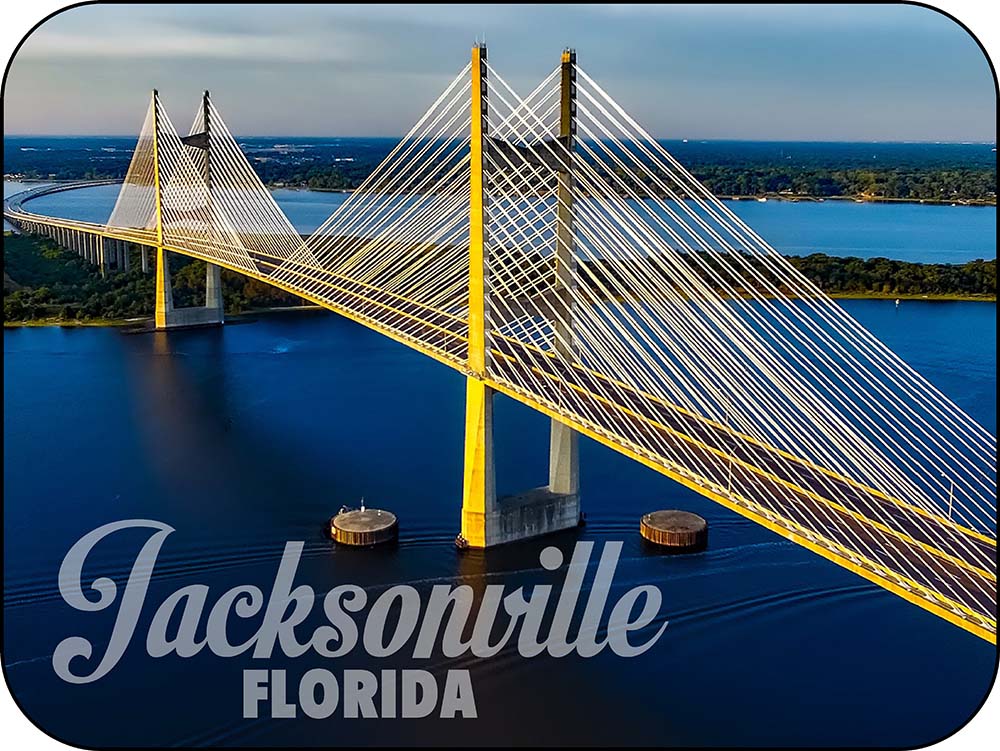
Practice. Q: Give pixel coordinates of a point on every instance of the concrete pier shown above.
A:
(531, 513)
(213, 290)
(676, 531)
(168, 317)
(487, 520)
(364, 527)
(212, 314)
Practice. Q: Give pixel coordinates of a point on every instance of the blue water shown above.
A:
(244, 437)
(248, 436)
(906, 232)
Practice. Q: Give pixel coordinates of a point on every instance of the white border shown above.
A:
(982, 16)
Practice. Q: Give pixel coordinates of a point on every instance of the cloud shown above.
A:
(774, 71)
(149, 43)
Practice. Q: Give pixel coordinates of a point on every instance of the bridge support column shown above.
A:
(213, 291)
(164, 294)
(564, 460)
(489, 520)
(166, 316)
(102, 253)
(564, 469)
(479, 499)
(144, 259)
(486, 519)
(126, 261)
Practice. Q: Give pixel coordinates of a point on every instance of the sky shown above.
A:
(754, 72)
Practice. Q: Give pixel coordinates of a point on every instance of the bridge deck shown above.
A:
(793, 489)
(818, 508)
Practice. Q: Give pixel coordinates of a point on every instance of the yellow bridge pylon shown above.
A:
(553, 251)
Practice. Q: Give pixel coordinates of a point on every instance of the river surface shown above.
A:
(245, 437)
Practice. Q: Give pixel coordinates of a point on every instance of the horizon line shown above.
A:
(689, 139)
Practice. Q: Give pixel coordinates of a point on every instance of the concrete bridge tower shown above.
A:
(564, 470)
(166, 315)
(486, 519)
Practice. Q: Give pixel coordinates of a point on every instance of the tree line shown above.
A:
(45, 281)
(821, 182)
(947, 172)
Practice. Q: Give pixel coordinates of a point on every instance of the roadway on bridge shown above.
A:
(806, 491)
(803, 492)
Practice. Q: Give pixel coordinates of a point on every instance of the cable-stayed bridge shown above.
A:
(553, 251)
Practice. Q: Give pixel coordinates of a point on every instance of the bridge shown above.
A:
(551, 250)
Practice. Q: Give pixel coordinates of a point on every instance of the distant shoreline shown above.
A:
(784, 197)
(119, 322)
(790, 198)
(249, 314)
(916, 297)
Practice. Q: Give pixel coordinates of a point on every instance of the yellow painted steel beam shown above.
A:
(478, 490)
(86, 227)
(393, 310)
(277, 263)
(762, 444)
(927, 599)
(909, 590)
(367, 321)
(761, 472)
(162, 272)
(477, 228)
(346, 312)
(478, 487)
